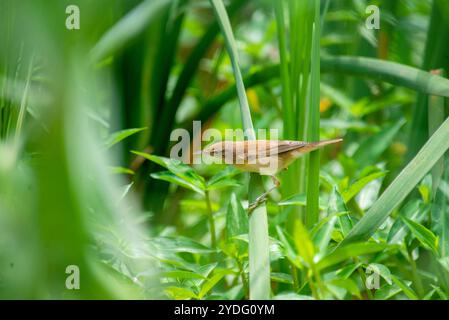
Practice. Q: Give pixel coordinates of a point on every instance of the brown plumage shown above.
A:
(266, 157)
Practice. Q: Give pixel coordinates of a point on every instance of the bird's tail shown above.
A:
(320, 144)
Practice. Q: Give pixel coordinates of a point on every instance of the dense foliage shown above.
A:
(86, 178)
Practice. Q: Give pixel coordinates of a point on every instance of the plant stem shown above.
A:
(416, 277)
(312, 212)
(244, 280)
(213, 239)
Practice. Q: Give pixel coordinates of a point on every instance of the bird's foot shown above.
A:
(263, 197)
(259, 200)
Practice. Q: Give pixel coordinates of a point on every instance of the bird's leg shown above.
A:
(263, 197)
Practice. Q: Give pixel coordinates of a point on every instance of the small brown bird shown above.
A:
(266, 157)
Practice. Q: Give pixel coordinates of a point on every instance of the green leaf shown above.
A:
(180, 244)
(412, 210)
(404, 183)
(405, 288)
(357, 186)
(286, 243)
(210, 283)
(303, 243)
(178, 168)
(337, 205)
(353, 250)
(127, 28)
(426, 237)
(348, 270)
(179, 274)
(116, 137)
(387, 71)
(387, 291)
(347, 284)
(323, 234)
(281, 277)
(236, 219)
(371, 149)
(172, 178)
(224, 175)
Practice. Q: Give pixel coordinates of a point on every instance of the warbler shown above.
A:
(266, 157)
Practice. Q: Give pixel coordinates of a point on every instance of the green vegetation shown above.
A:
(87, 120)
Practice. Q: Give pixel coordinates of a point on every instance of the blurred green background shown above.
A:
(86, 115)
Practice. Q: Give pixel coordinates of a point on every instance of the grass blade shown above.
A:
(431, 152)
(387, 71)
(259, 261)
(313, 184)
(127, 28)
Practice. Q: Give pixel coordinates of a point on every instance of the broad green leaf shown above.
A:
(371, 149)
(116, 137)
(236, 219)
(180, 244)
(178, 168)
(223, 178)
(404, 183)
(349, 251)
(426, 237)
(286, 242)
(172, 178)
(357, 186)
(303, 243)
(347, 284)
(225, 183)
(387, 291)
(412, 210)
(210, 283)
(336, 206)
(323, 234)
(405, 288)
(127, 28)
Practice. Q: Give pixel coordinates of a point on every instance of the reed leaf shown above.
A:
(410, 176)
(259, 261)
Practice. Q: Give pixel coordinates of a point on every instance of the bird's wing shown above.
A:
(268, 148)
(285, 146)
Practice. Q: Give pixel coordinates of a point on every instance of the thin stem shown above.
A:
(23, 102)
(244, 280)
(295, 277)
(213, 238)
(416, 277)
